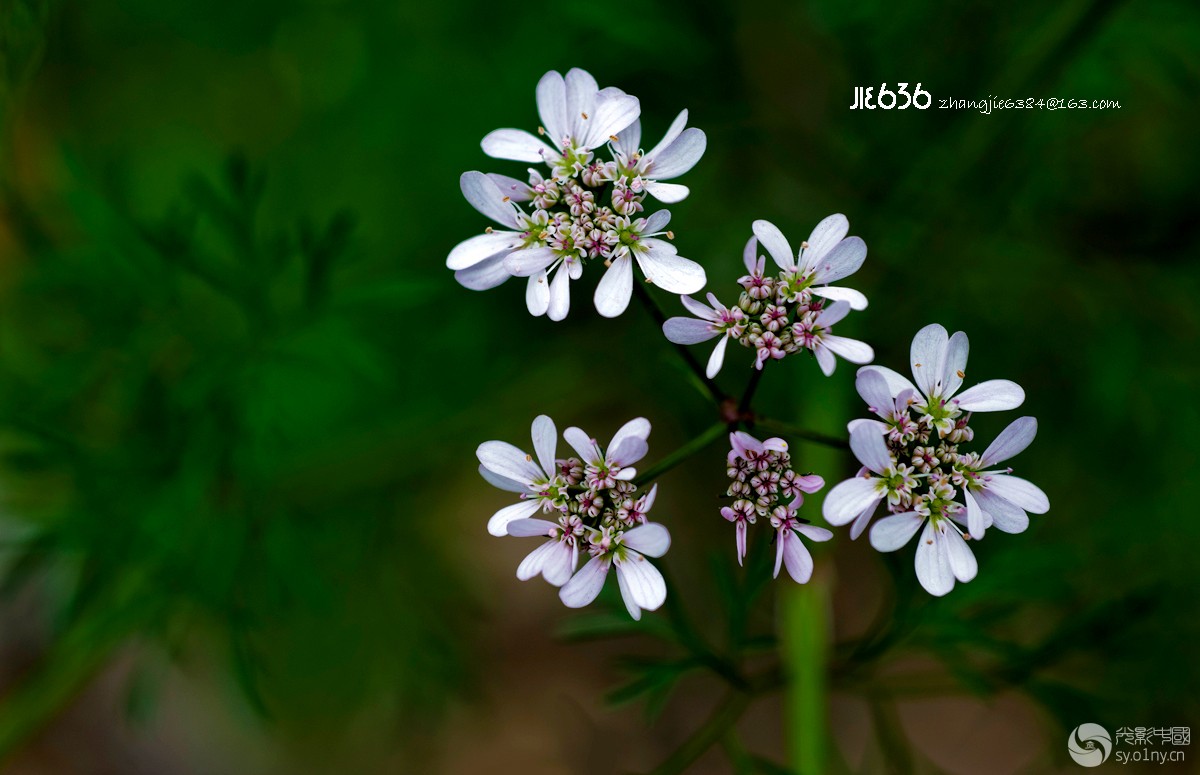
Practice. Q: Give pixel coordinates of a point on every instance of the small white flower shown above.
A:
(629, 445)
(577, 115)
(658, 259)
(814, 332)
(997, 497)
(855, 500)
(789, 549)
(675, 154)
(827, 256)
(710, 322)
(555, 559)
(943, 556)
(642, 585)
(939, 363)
(509, 468)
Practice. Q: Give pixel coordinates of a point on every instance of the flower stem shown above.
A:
(806, 614)
(748, 396)
(718, 724)
(660, 317)
(681, 454)
(801, 433)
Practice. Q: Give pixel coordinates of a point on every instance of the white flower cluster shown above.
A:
(580, 208)
(793, 311)
(912, 457)
(764, 485)
(596, 509)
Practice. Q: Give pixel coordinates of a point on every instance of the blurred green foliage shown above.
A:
(237, 382)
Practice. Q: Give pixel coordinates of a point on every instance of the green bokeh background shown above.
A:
(240, 392)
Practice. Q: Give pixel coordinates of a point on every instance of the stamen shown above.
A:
(529, 458)
(585, 115)
(541, 130)
(614, 138)
(505, 199)
(960, 374)
(670, 235)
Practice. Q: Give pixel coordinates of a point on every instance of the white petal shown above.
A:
(545, 442)
(586, 584)
(485, 196)
(698, 309)
(862, 520)
(534, 561)
(515, 190)
(581, 98)
(825, 359)
(833, 314)
(932, 562)
(829, 232)
(657, 221)
(716, 359)
(1019, 492)
(630, 450)
(614, 111)
(560, 564)
(897, 382)
(637, 428)
(628, 139)
(526, 528)
(1011, 442)
(673, 132)
(870, 449)
(851, 349)
(651, 539)
(641, 582)
(814, 533)
(502, 482)
(537, 294)
(668, 193)
(560, 294)
(498, 524)
(855, 299)
(954, 364)
(928, 346)
(615, 288)
(650, 498)
(893, 532)
(670, 271)
(583, 445)
(876, 424)
(688, 330)
(485, 275)
(849, 499)
(552, 106)
(508, 461)
(750, 254)
(796, 557)
(995, 395)
(776, 244)
(530, 261)
(961, 558)
(976, 520)
(845, 259)
(1005, 516)
(873, 388)
(470, 252)
(517, 145)
(679, 157)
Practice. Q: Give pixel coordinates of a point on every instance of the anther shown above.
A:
(505, 199)
(541, 130)
(960, 374)
(529, 458)
(614, 138)
(649, 281)
(608, 262)
(585, 115)
(670, 235)
(488, 230)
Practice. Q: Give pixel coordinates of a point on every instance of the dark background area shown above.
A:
(241, 528)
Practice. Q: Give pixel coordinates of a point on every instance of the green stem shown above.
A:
(712, 731)
(681, 454)
(748, 396)
(806, 615)
(801, 433)
(660, 317)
